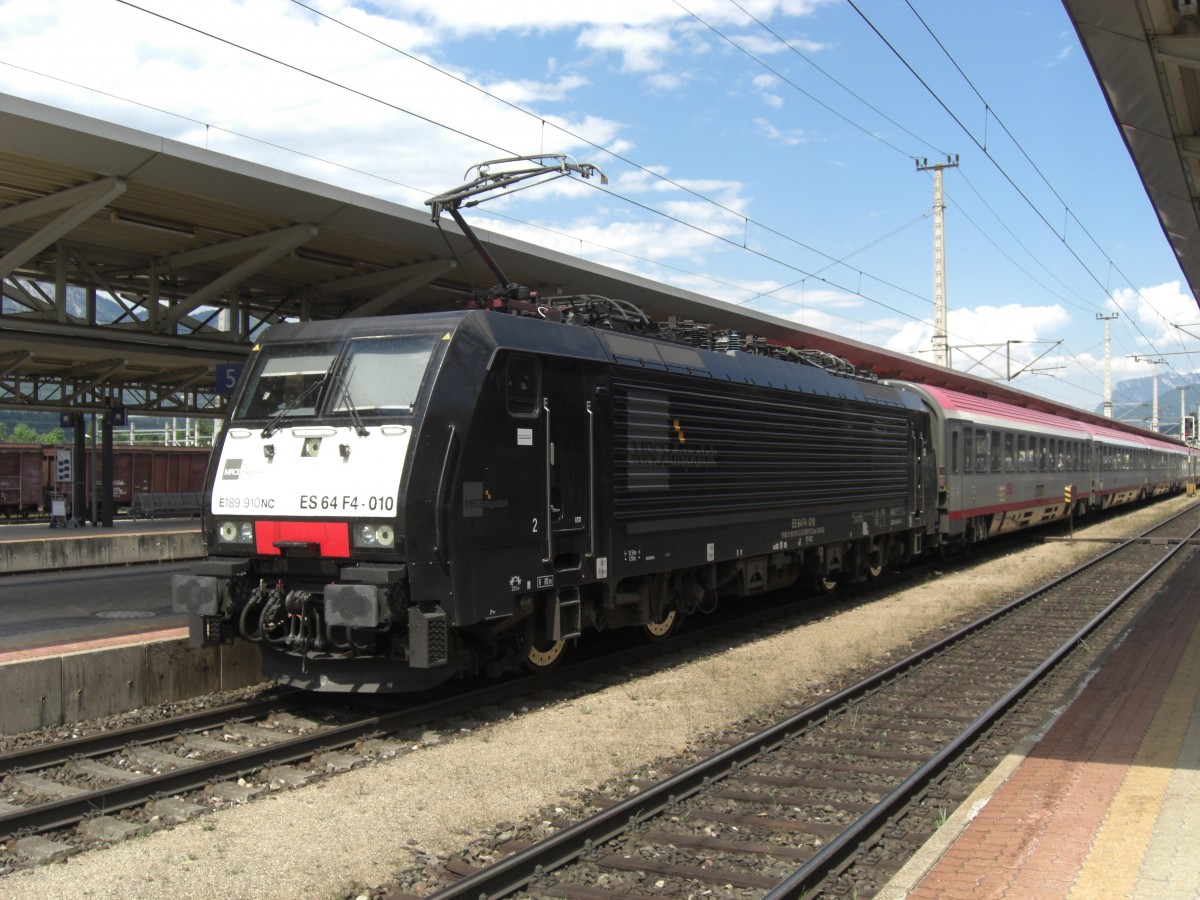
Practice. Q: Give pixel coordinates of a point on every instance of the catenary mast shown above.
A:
(941, 351)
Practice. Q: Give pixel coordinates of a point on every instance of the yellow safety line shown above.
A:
(1113, 861)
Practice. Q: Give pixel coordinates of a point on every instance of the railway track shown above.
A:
(110, 784)
(58, 798)
(105, 786)
(834, 800)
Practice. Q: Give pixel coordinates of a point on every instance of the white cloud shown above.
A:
(1158, 310)
(481, 16)
(766, 85)
(525, 92)
(790, 137)
(986, 339)
(641, 49)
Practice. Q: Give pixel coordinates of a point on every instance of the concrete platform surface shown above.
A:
(77, 644)
(39, 548)
(53, 686)
(1105, 803)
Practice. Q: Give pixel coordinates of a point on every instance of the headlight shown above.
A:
(374, 536)
(229, 532)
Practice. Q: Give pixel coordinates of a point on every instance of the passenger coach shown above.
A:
(1003, 467)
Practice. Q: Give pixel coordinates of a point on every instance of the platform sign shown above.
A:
(62, 465)
(227, 377)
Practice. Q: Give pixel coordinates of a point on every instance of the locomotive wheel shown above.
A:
(665, 627)
(544, 655)
(874, 572)
(827, 584)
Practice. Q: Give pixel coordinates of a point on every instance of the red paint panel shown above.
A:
(957, 514)
(333, 537)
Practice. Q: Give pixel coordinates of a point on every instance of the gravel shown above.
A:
(392, 821)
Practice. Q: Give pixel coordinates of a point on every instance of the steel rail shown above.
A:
(516, 871)
(62, 813)
(59, 814)
(61, 752)
(836, 851)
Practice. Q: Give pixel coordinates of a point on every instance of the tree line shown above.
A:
(24, 433)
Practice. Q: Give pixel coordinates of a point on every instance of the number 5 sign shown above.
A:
(227, 377)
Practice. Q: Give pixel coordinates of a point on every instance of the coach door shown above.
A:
(570, 463)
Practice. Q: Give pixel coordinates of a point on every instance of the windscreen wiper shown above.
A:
(291, 407)
(343, 388)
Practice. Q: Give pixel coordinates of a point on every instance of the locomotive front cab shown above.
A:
(305, 499)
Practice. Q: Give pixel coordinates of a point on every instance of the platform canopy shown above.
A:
(132, 266)
(1146, 55)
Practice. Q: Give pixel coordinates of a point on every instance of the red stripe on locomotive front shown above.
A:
(332, 537)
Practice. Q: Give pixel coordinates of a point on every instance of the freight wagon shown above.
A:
(29, 474)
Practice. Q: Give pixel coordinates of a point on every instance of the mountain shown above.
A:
(1133, 400)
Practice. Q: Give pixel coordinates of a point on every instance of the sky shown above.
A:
(765, 153)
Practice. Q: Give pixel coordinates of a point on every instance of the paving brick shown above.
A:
(1106, 793)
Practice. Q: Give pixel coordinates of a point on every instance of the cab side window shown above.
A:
(521, 384)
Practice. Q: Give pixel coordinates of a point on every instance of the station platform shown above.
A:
(1104, 803)
(85, 631)
(37, 547)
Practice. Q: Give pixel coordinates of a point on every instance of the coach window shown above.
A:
(1042, 454)
(997, 452)
(1008, 451)
(981, 451)
(1022, 453)
(521, 385)
(954, 453)
(968, 450)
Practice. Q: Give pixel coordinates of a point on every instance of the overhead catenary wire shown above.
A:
(769, 229)
(834, 259)
(659, 175)
(789, 46)
(989, 111)
(1004, 173)
(646, 207)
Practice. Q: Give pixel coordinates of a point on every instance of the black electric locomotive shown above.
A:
(399, 499)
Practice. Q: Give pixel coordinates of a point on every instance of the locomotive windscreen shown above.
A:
(384, 374)
(288, 378)
(376, 376)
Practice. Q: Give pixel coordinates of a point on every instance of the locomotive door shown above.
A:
(569, 462)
